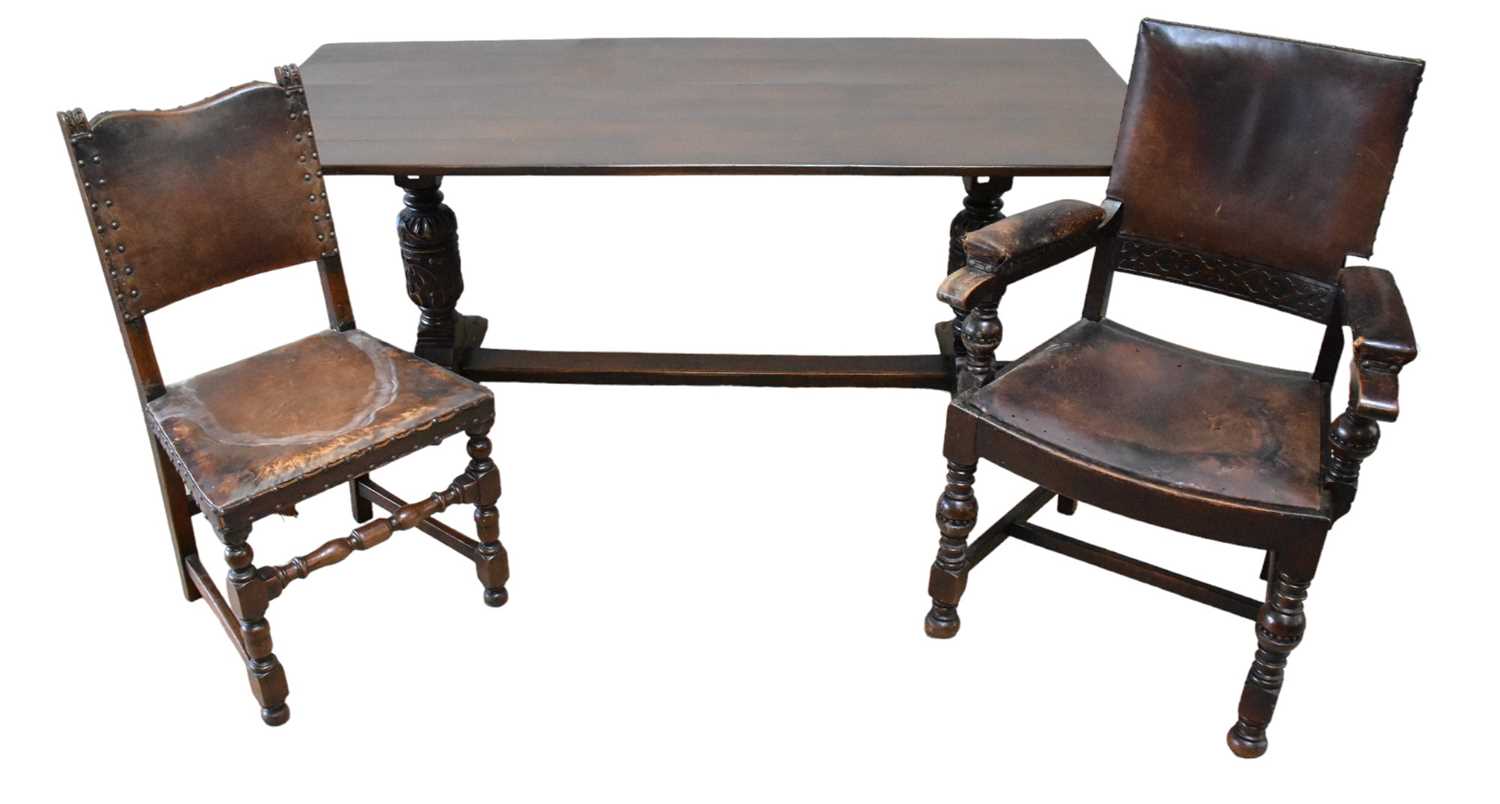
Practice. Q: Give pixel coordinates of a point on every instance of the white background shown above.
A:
(717, 594)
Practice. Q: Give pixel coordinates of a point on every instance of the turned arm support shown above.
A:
(1383, 343)
(1008, 251)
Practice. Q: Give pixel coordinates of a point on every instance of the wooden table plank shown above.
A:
(971, 107)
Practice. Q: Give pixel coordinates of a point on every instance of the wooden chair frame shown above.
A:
(241, 607)
(1362, 299)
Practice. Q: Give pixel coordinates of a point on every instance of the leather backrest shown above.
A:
(1268, 152)
(187, 199)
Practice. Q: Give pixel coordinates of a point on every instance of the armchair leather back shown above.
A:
(1253, 166)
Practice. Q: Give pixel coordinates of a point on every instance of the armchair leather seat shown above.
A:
(1175, 426)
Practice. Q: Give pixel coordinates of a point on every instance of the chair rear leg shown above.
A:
(1278, 630)
(492, 563)
(957, 511)
(179, 517)
(248, 597)
(361, 508)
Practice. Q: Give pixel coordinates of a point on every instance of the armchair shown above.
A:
(1261, 201)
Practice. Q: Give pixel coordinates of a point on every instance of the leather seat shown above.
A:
(313, 413)
(1178, 426)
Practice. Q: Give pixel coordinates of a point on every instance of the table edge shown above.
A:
(674, 169)
(596, 39)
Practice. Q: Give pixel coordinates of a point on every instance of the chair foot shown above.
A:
(275, 715)
(942, 622)
(1244, 744)
(1067, 506)
(495, 598)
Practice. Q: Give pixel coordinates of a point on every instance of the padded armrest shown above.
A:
(1383, 339)
(1375, 313)
(1022, 244)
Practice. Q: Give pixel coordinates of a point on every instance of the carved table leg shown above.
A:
(428, 231)
(249, 597)
(982, 205)
(492, 563)
(957, 512)
(1278, 629)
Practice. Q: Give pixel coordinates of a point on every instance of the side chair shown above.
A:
(185, 200)
(1249, 166)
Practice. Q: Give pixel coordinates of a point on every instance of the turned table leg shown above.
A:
(428, 231)
(982, 205)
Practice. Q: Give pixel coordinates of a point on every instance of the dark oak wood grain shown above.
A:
(976, 107)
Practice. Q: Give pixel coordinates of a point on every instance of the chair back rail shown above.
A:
(185, 200)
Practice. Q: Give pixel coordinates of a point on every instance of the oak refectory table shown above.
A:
(985, 110)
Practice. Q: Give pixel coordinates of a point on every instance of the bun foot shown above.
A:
(495, 598)
(275, 715)
(942, 622)
(1243, 745)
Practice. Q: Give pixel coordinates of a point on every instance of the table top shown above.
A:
(972, 107)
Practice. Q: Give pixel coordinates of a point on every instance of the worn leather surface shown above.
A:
(1376, 316)
(306, 414)
(1383, 340)
(1266, 150)
(188, 199)
(1035, 239)
(1185, 421)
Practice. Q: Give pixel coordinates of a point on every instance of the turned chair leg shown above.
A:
(1278, 629)
(492, 564)
(957, 512)
(248, 598)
